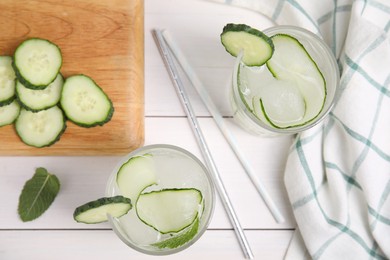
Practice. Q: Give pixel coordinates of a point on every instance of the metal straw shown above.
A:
(202, 143)
(196, 82)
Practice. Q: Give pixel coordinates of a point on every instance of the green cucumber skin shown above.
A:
(100, 202)
(7, 101)
(108, 117)
(172, 190)
(10, 99)
(36, 110)
(20, 77)
(53, 141)
(13, 121)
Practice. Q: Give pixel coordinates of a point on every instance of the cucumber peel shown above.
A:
(96, 211)
(257, 47)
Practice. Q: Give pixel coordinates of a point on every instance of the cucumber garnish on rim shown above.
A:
(257, 47)
(96, 211)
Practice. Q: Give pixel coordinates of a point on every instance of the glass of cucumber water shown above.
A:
(285, 78)
(172, 198)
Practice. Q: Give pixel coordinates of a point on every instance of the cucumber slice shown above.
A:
(281, 103)
(135, 175)
(96, 211)
(291, 63)
(7, 81)
(257, 47)
(84, 102)
(169, 210)
(35, 100)
(40, 129)
(37, 62)
(9, 113)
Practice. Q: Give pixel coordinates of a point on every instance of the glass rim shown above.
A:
(207, 218)
(324, 112)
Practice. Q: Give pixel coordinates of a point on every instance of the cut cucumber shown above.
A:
(96, 211)
(42, 128)
(257, 47)
(37, 62)
(35, 100)
(292, 64)
(169, 210)
(7, 81)
(84, 102)
(281, 103)
(135, 175)
(9, 113)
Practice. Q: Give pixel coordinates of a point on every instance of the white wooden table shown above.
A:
(196, 26)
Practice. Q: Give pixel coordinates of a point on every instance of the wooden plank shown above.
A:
(102, 39)
(103, 244)
(83, 178)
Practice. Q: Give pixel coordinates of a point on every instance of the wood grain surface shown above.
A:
(101, 39)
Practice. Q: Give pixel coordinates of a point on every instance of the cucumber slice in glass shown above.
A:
(96, 211)
(291, 63)
(169, 210)
(257, 47)
(281, 104)
(135, 175)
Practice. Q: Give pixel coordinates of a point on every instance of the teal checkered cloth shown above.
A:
(338, 174)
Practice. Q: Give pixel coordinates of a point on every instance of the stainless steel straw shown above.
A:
(196, 82)
(202, 143)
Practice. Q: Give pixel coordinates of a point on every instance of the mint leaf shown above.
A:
(37, 195)
(180, 239)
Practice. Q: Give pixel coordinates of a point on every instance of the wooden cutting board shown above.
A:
(101, 39)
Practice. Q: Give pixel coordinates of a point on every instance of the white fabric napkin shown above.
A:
(338, 174)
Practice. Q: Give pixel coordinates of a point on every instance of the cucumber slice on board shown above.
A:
(169, 210)
(292, 64)
(257, 47)
(135, 175)
(37, 62)
(40, 129)
(7, 81)
(84, 102)
(36, 99)
(9, 113)
(96, 211)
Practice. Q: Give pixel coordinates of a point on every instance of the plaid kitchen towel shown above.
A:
(338, 174)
